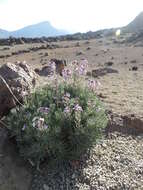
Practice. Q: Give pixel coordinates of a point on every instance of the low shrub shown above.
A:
(60, 121)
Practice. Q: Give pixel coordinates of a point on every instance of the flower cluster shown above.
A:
(83, 66)
(67, 110)
(44, 110)
(80, 68)
(52, 67)
(77, 108)
(66, 98)
(66, 73)
(70, 107)
(39, 123)
(77, 68)
(93, 84)
(77, 114)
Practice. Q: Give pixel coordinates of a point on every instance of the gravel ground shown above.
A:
(115, 163)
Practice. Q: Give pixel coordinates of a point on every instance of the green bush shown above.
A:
(58, 122)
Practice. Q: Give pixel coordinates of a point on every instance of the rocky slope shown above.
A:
(136, 25)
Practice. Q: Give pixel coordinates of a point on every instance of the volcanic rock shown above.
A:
(45, 71)
(16, 82)
(102, 71)
(109, 63)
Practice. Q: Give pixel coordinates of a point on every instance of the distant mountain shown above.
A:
(136, 25)
(33, 31)
(45, 29)
(38, 30)
(4, 33)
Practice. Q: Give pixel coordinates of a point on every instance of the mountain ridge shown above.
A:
(45, 29)
(136, 25)
(36, 30)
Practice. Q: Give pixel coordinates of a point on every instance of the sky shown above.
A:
(71, 15)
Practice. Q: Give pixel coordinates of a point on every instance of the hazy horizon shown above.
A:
(73, 16)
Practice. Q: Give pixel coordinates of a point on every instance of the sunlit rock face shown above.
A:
(16, 82)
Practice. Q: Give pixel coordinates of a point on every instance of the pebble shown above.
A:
(114, 164)
(46, 187)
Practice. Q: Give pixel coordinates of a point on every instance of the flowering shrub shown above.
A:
(60, 121)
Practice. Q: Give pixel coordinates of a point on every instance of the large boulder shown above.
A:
(16, 82)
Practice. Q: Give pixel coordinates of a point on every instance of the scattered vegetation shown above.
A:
(62, 121)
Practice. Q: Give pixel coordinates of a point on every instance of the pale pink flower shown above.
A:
(52, 65)
(44, 110)
(24, 127)
(39, 124)
(66, 73)
(67, 110)
(38, 121)
(81, 68)
(67, 95)
(77, 108)
(93, 84)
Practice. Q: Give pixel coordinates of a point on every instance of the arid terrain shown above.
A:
(121, 90)
(118, 67)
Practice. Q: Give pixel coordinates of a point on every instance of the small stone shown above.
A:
(73, 176)
(46, 187)
(104, 145)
